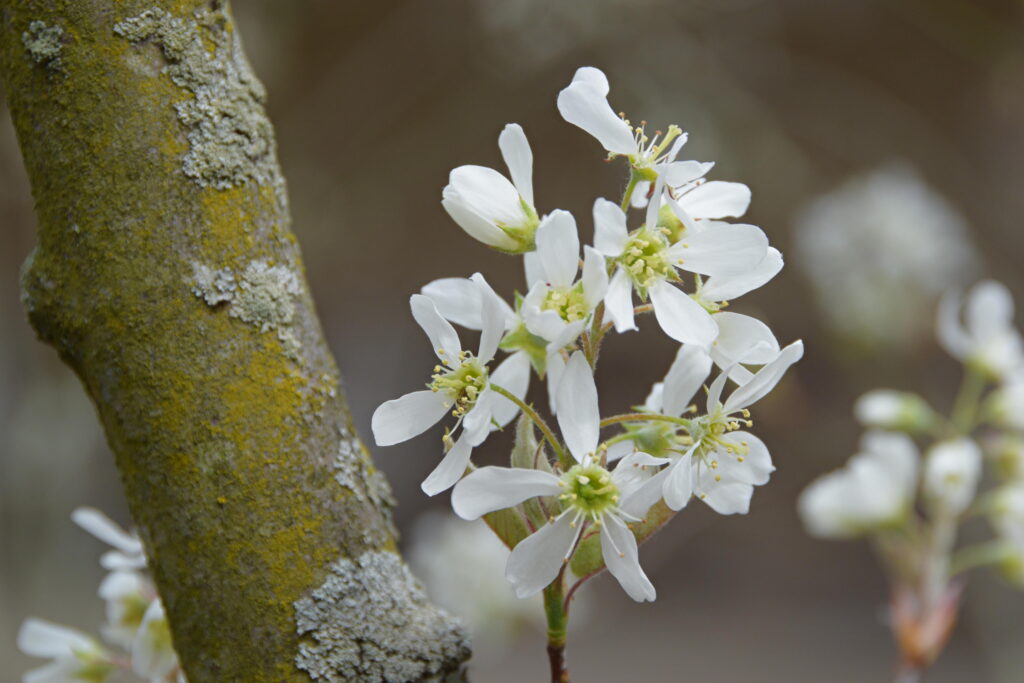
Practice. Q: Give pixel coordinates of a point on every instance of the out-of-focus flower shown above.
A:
(894, 410)
(127, 596)
(76, 656)
(874, 490)
(951, 473)
(128, 552)
(879, 250)
(487, 206)
(153, 654)
(987, 341)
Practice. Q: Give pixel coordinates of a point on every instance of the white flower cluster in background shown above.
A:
(136, 627)
(879, 251)
(664, 248)
(918, 475)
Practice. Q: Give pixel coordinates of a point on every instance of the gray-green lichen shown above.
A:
(44, 43)
(370, 621)
(352, 469)
(262, 295)
(231, 141)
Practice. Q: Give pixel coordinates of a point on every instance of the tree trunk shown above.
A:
(168, 278)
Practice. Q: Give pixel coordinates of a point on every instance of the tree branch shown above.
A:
(168, 278)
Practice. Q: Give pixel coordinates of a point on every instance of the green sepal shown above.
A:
(587, 559)
(521, 339)
(508, 525)
(528, 453)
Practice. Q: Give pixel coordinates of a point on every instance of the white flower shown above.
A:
(988, 341)
(588, 493)
(951, 473)
(723, 464)
(558, 307)
(874, 490)
(1006, 403)
(889, 409)
(487, 206)
(461, 384)
(76, 656)
(128, 552)
(647, 262)
(878, 252)
(127, 596)
(153, 654)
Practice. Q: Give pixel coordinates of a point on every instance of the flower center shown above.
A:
(709, 433)
(590, 490)
(650, 151)
(645, 258)
(462, 383)
(569, 303)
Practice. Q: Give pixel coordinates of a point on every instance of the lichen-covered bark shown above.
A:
(167, 276)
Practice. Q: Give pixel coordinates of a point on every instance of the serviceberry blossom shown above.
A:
(127, 550)
(153, 655)
(987, 341)
(127, 595)
(76, 656)
(487, 206)
(873, 491)
(462, 384)
(647, 262)
(951, 473)
(588, 494)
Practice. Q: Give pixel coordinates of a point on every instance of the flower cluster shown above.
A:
(593, 492)
(911, 504)
(136, 625)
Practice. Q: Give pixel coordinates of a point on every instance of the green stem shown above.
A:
(965, 408)
(634, 178)
(558, 620)
(645, 417)
(528, 410)
(980, 555)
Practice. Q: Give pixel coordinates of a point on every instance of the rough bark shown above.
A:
(168, 278)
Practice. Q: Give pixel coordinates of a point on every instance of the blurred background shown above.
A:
(883, 141)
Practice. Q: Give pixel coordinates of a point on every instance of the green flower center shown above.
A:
(646, 258)
(709, 435)
(590, 490)
(569, 304)
(462, 384)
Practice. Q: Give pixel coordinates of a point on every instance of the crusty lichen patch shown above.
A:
(354, 470)
(370, 621)
(231, 141)
(44, 43)
(262, 295)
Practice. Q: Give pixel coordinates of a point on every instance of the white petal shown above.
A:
(727, 287)
(726, 497)
(584, 105)
(532, 269)
(106, 530)
(900, 455)
(641, 191)
(113, 560)
(514, 375)
(618, 302)
(558, 246)
(765, 379)
(402, 418)
(567, 335)
(742, 338)
(754, 466)
(722, 250)
(153, 656)
(450, 469)
(610, 232)
(555, 367)
(496, 488)
(488, 193)
(619, 450)
(679, 173)
(688, 372)
(537, 559)
(595, 277)
(655, 399)
(678, 486)
(493, 316)
(618, 546)
(654, 205)
(681, 317)
(478, 419)
(40, 638)
(118, 584)
(639, 500)
(60, 671)
(443, 338)
(715, 390)
(518, 156)
(578, 414)
(989, 310)
(457, 299)
(594, 76)
(717, 199)
(476, 226)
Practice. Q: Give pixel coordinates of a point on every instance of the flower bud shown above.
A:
(951, 475)
(897, 410)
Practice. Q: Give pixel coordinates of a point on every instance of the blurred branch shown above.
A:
(168, 278)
